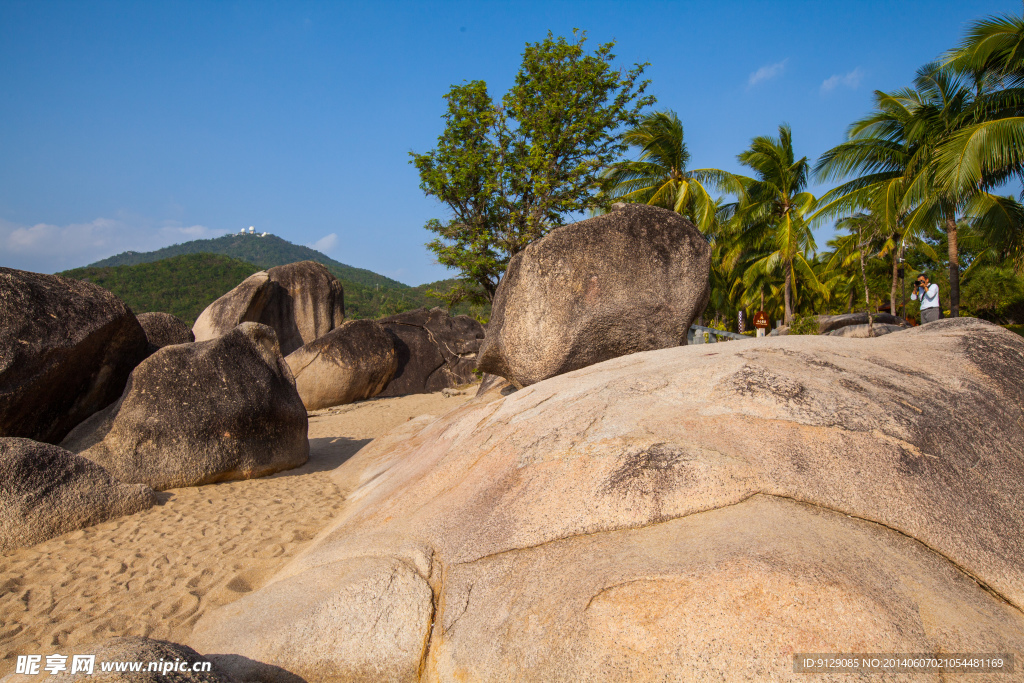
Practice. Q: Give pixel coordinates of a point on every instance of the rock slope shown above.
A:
(703, 511)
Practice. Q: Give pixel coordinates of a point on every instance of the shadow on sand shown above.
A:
(327, 453)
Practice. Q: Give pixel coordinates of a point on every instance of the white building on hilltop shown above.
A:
(252, 231)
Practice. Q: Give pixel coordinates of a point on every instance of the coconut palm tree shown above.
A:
(990, 148)
(660, 177)
(896, 149)
(879, 152)
(774, 209)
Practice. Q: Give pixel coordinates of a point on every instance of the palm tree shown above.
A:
(990, 148)
(880, 151)
(774, 209)
(896, 149)
(660, 177)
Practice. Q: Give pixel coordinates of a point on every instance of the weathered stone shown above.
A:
(493, 384)
(435, 350)
(628, 521)
(164, 329)
(350, 363)
(46, 491)
(864, 331)
(200, 413)
(629, 281)
(66, 350)
(829, 323)
(362, 619)
(299, 301)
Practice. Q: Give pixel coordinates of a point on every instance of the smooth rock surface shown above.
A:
(435, 350)
(46, 491)
(66, 350)
(201, 413)
(299, 301)
(628, 281)
(700, 512)
(350, 363)
(164, 329)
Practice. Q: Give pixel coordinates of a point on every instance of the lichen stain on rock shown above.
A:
(651, 472)
(753, 380)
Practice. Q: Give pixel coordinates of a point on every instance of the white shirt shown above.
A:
(930, 298)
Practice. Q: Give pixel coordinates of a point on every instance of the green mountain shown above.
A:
(265, 252)
(183, 279)
(181, 285)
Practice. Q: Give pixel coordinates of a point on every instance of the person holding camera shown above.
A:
(928, 294)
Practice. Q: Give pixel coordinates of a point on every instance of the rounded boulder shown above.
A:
(66, 350)
(201, 413)
(350, 363)
(299, 301)
(629, 281)
(164, 329)
(435, 350)
(46, 491)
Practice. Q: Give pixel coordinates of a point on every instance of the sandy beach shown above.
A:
(157, 572)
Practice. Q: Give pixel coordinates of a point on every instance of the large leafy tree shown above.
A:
(660, 176)
(508, 173)
(774, 212)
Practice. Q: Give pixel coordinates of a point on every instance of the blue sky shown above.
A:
(136, 125)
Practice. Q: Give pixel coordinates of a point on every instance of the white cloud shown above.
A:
(766, 73)
(48, 248)
(325, 244)
(850, 80)
(192, 232)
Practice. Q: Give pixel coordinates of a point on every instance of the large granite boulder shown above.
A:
(201, 413)
(299, 301)
(46, 491)
(632, 280)
(865, 330)
(435, 350)
(830, 323)
(66, 350)
(701, 512)
(350, 363)
(164, 329)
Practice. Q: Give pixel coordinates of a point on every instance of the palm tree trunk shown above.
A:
(864, 274)
(789, 291)
(849, 301)
(896, 255)
(954, 267)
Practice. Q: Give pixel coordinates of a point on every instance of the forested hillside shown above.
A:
(185, 284)
(265, 252)
(181, 285)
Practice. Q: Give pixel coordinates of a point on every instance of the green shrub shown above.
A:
(804, 324)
